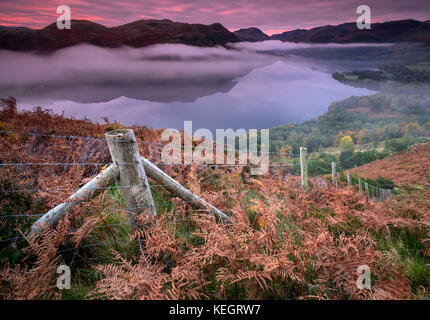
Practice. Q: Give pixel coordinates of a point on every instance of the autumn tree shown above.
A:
(346, 143)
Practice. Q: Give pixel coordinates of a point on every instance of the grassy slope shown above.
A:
(409, 167)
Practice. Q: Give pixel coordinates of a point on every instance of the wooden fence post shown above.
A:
(125, 154)
(334, 174)
(348, 178)
(304, 167)
(360, 187)
(366, 188)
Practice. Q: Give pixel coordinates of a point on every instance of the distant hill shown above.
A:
(409, 167)
(392, 31)
(369, 120)
(136, 34)
(251, 35)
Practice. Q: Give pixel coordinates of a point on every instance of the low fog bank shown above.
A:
(165, 72)
(157, 63)
(90, 63)
(357, 52)
(270, 45)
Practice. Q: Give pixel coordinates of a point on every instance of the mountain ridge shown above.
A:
(135, 34)
(407, 30)
(146, 32)
(252, 34)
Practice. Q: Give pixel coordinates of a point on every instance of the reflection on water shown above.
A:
(164, 85)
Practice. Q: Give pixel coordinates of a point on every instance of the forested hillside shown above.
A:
(358, 130)
(369, 120)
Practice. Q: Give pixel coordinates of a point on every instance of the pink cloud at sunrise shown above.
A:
(273, 16)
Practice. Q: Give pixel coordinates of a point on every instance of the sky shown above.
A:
(271, 16)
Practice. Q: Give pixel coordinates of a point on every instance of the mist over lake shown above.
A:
(248, 86)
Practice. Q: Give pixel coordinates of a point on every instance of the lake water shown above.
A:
(164, 85)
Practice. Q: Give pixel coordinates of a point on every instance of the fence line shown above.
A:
(141, 142)
(162, 165)
(101, 226)
(372, 191)
(174, 221)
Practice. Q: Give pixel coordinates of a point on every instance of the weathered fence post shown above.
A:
(366, 188)
(304, 167)
(334, 174)
(348, 178)
(136, 191)
(360, 187)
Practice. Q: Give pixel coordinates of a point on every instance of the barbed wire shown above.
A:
(320, 168)
(21, 215)
(175, 220)
(125, 210)
(139, 141)
(90, 189)
(20, 164)
(56, 136)
(41, 214)
(163, 165)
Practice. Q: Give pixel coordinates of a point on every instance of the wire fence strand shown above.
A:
(372, 191)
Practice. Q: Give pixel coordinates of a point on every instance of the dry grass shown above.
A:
(409, 167)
